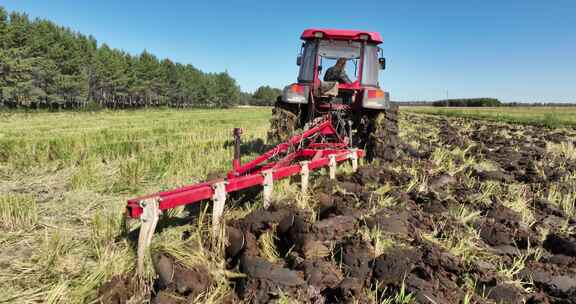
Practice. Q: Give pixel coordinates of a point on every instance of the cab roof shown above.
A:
(340, 35)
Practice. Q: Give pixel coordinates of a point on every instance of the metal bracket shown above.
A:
(218, 201)
(268, 185)
(304, 176)
(354, 158)
(149, 219)
(332, 165)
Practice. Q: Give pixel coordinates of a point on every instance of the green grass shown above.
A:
(65, 178)
(552, 117)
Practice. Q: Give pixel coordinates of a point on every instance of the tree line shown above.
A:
(468, 102)
(483, 102)
(46, 66)
(263, 96)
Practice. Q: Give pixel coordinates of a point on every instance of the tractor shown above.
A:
(316, 125)
(359, 110)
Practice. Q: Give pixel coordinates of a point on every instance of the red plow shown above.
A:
(317, 147)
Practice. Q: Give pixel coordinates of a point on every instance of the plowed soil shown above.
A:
(468, 212)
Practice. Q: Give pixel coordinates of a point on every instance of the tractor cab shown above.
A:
(350, 95)
(320, 50)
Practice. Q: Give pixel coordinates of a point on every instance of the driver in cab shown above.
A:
(337, 72)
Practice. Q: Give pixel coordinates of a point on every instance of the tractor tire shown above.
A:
(383, 135)
(283, 123)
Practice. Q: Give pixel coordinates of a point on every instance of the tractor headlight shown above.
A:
(318, 34)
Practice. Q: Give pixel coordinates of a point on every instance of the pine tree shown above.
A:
(3, 26)
(46, 65)
(3, 55)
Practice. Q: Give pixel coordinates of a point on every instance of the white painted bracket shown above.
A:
(218, 201)
(354, 159)
(268, 185)
(304, 177)
(332, 165)
(149, 220)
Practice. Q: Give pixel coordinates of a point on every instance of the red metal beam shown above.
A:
(195, 193)
(250, 174)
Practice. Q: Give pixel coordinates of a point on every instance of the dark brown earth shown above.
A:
(331, 260)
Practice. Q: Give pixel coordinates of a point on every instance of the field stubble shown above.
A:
(64, 179)
(470, 212)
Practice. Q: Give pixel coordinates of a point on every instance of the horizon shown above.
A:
(516, 51)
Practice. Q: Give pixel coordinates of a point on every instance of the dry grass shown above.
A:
(64, 181)
(267, 245)
(379, 240)
(18, 212)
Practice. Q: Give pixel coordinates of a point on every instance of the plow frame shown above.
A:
(318, 147)
(315, 155)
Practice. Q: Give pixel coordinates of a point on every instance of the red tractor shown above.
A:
(359, 109)
(341, 121)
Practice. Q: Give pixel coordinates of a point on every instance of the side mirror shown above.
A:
(382, 62)
(319, 69)
(299, 60)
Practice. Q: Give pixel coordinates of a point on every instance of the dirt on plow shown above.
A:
(469, 212)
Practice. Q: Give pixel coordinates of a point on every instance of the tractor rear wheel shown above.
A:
(383, 135)
(283, 123)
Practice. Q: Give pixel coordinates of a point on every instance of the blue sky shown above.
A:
(513, 50)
